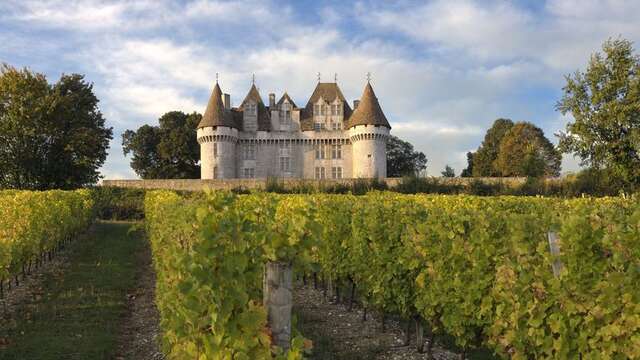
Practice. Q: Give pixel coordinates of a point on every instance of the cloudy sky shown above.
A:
(443, 70)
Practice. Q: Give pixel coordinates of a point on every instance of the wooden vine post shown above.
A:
(554, 248)
(278, 299)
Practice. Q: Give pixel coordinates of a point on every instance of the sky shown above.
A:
(443, 70)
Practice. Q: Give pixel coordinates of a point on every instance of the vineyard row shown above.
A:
(34, 223)
(479, 269)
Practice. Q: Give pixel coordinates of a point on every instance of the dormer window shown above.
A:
(324, 110)
(335, 109)
(251, 109)
(316, 109)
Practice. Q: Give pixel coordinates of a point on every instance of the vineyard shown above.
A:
(33, 224)
(478, 269)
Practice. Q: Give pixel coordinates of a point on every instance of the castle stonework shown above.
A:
(324, 140)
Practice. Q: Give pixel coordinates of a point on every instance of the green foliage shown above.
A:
(468, 171)
(509, 149)
(525, 151)
(167, 151)
(209, 254)
(604, 102)
(487, 153)
(51, 136)
(402, 160)
(475, 268)
(32, 223)
(448, 172)
(114, 203)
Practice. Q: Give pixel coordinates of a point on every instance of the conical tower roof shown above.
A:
(368, 111)
(215, 114)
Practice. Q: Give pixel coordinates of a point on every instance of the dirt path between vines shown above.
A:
(140, 334)
(341, 334)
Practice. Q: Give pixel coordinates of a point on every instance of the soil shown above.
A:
(140, 334)
(338, 333)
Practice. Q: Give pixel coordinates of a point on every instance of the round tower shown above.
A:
(217, 136)
(369, 132)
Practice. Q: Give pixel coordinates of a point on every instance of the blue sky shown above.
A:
(443, 70)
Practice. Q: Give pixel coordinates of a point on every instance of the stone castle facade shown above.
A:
(326, 139)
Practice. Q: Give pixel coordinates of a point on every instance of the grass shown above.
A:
(81, 310)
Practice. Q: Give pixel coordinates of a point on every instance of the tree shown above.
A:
(468, 172)
(51, 136)
(604, 102)
(525, 151)
(402, 160)
(448, 172)
(487, 153)
(168, 151)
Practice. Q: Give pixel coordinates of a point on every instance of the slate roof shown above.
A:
(284, 97)
(264, 116)
(369, 111)
(215, 114)
(329, 92)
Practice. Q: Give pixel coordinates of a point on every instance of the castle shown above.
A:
(324, 140)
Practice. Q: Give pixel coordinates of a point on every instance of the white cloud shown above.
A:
(466, 63)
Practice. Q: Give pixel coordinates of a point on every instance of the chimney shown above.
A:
(272, 100)
(355, 104)
(226, 100)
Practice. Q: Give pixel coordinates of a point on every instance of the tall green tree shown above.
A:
(402, 159)
(604, 102)
(167, 151)
(525, 151)
(468, 171)
(448, 172)
(51, 136)
(487, 153)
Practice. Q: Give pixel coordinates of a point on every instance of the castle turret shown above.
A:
(217, 136)
(369, 131)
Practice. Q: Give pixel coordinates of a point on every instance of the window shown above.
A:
(285, 149)
(285, 164)
(319, 173)
(249, 152)
(285, 117)
(323, 110)
(251, 109)
(336, 125)
(334, 109)
(316, 110)
(336, 151)
(215, 172)
(320, 151)
(249, 173)
(215, 149)
(336, 172)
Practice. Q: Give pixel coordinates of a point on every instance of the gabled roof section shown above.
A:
(254, 95)
(215, 114)
(284, 97)
(329, 92)
(369, 111)
(264, 118)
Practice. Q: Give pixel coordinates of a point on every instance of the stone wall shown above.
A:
(229, 184)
